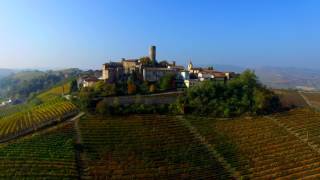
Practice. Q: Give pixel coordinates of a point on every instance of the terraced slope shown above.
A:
(54, 92)
(43, 156)
(260, 148)
(145, 147)
(23, 122)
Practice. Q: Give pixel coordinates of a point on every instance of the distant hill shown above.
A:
(24, 83)
(5, 72)
(289, 78)
(281, 77)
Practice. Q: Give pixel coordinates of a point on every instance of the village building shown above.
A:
(149, 70)
(203, 74)
(112, 72)
(89, 81)
(153, 74)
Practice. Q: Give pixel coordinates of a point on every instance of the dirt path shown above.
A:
(305, 99)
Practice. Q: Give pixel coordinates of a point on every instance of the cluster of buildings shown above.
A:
(148, 69)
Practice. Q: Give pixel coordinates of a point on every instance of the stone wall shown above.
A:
(161, 98)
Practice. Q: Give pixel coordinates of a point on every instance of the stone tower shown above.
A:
(152, 53)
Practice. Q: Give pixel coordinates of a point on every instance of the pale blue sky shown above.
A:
(85, 34)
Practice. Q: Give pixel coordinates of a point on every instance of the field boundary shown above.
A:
(78, 149)
(306, 99)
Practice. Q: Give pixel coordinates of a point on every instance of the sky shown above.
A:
(86, 34)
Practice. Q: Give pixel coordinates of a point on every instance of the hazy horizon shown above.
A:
(84, 34)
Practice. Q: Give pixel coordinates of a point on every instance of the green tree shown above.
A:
(73, 86)
(131, 87)
(168, 81)
(244, 94)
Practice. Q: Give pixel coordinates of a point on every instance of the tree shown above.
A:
(86, 96)
(244, 94)
(152, 88)
(105, 89)
(103, 107)
(73, 86)
(168, 81)
(131, 87)
(146, 60)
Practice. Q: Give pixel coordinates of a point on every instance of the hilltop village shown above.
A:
(150, 71)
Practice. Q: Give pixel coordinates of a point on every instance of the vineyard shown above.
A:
(290, 98)
(49, 155)
(304, 123)
(21, 122)
(260, 148)
(313, 98)
(145, 147)
(281, 146)
(54, 92)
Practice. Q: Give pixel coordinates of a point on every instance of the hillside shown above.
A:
(5, 72)
(24, 84)
(283, 146)
(294, 78)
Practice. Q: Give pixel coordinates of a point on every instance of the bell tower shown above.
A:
(190, 65)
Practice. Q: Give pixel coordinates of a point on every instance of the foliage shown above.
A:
(104, 89)
(243, 94)
(146, 61)
(22, 84)
(152, 88)
(86, 96)
(131, 87)
(168, 82)
(73, 86)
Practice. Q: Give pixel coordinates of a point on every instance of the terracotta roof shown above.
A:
(216, 74)
(113, 64)
(131, 60)
(91, 79)
(196, 68)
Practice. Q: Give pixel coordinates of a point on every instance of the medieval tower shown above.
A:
(152, 54)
